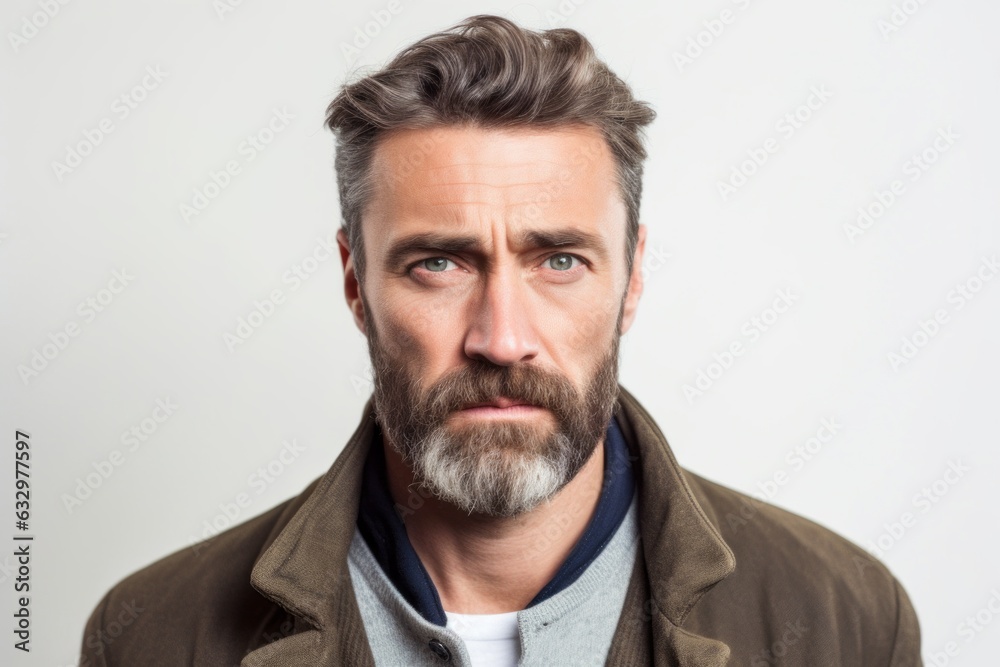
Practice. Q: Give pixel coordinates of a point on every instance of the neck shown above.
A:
(489, 565)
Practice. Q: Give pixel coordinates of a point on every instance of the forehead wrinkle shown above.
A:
(464, 187)
(539, 171)
(460, 193)
(486, 163)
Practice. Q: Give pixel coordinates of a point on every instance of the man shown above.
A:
(504, 500)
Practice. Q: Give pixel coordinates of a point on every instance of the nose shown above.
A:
(502, 330)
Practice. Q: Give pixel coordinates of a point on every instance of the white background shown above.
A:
(301, 375)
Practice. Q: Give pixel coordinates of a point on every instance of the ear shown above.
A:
(634, 282)
(352, 289)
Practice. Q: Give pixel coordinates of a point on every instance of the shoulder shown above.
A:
(810, 578)
(758, 530)
(155, 614)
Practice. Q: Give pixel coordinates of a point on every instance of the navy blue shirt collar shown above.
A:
(382, 527)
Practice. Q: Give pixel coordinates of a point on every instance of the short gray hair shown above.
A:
(486, 71)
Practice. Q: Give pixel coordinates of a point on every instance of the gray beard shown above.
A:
(500, 468)
(482, 477)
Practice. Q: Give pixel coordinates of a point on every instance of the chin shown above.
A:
(507, 434)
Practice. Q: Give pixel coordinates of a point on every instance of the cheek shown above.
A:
(595, 322)
(581, 336)
(423, 331)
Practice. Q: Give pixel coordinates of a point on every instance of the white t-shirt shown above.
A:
(491, 639)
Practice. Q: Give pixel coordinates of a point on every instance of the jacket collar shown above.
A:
(303, 566)
(303, 563)
(684, 554)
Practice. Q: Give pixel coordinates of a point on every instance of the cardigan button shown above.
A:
(440, 650)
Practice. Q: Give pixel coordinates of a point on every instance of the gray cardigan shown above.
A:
(573, 627)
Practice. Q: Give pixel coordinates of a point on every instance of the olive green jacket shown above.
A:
(720, 579)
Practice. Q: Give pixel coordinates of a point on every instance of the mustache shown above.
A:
(482, 381)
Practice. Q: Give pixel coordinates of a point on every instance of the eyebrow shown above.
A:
(557, 238)
(428, 242)
(531, 238)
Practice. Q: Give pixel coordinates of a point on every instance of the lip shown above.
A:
(500, 403)
(500, 409)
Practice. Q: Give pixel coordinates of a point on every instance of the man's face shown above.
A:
(495, 292)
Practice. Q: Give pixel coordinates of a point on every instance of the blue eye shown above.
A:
(436, 264)
(561, 262)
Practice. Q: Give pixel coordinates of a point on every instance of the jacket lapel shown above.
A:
(303, 564)
(303, 567)
(683, 556)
